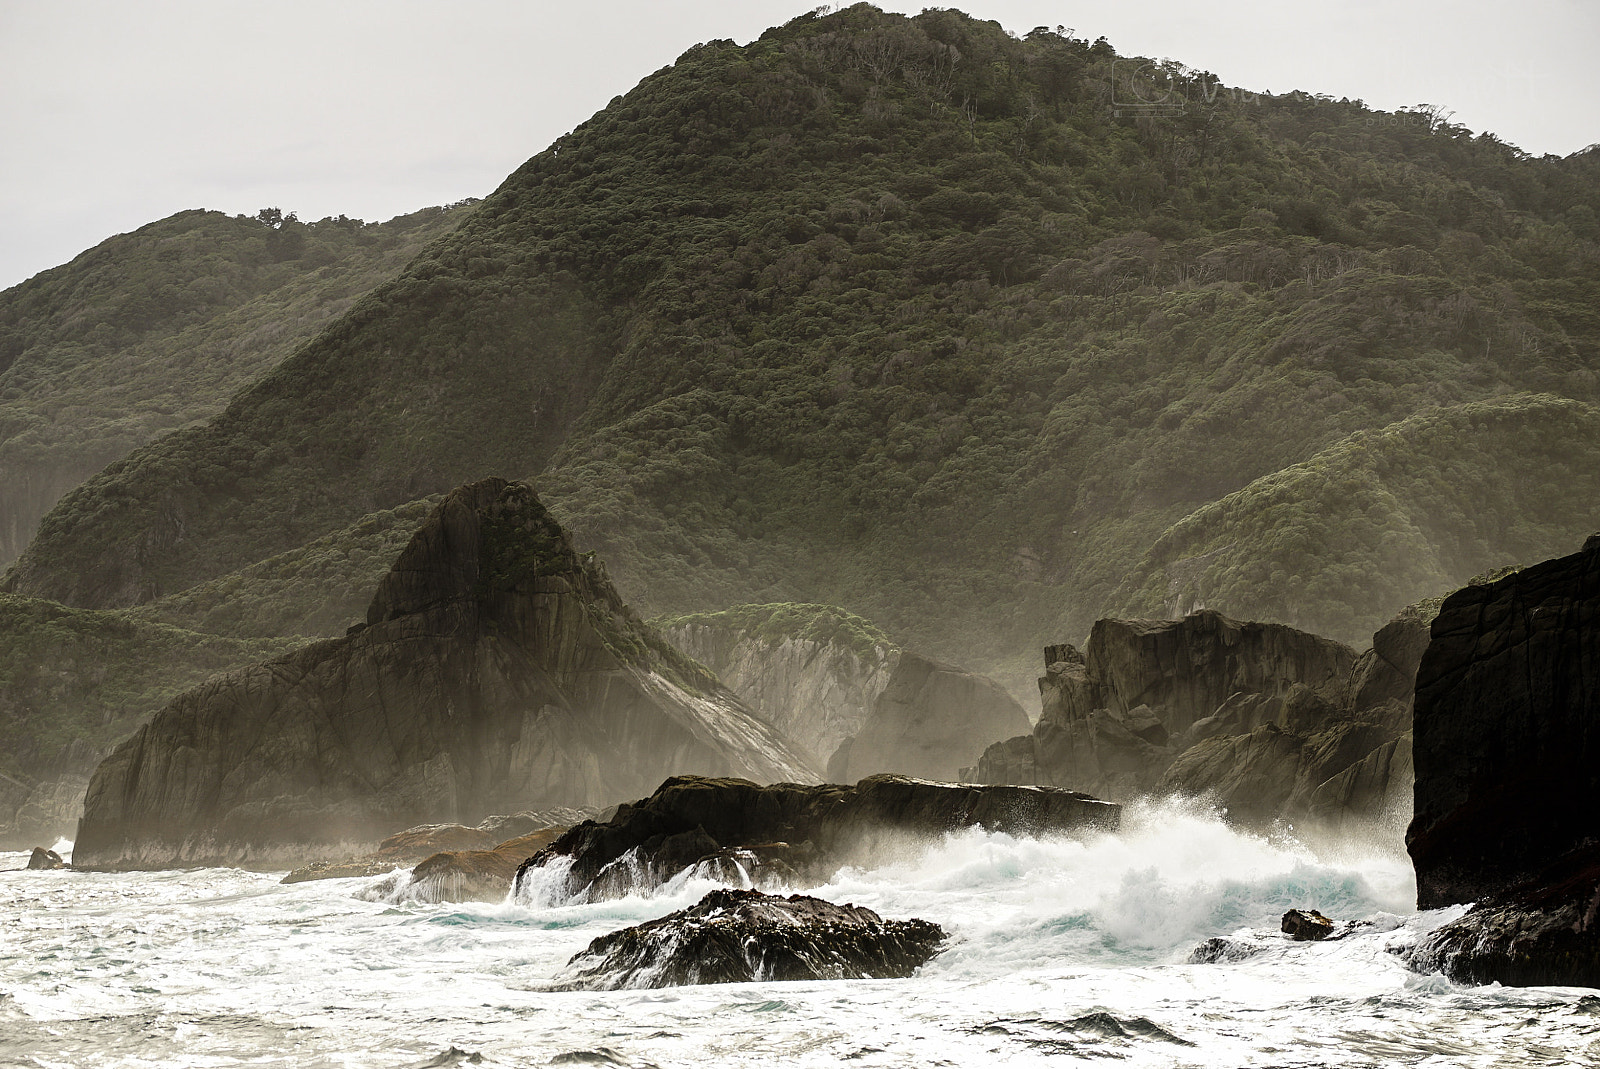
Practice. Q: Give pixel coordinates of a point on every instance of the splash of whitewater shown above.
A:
(1061, 947)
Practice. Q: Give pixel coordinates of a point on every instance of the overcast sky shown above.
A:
(115, 113)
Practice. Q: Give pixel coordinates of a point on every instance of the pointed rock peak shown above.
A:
(487, 537)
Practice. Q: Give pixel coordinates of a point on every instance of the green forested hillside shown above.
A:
(151, 330)
(911, 317)
(85, 677)
(1330, 544)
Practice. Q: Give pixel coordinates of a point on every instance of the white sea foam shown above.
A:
(1061, 949)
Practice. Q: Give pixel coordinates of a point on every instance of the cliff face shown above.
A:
(1508, 777)
(497, 671)
(928, 721)
(1262, 718)
(1507, 730)
(817, 692)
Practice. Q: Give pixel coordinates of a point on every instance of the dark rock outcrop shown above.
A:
(1507, 754)
(1303, 925)
(789, 831)
(45, 859)
(929, 721)
(734, 936)
(1264, 720)
(497, 670)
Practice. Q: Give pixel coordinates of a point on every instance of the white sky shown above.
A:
(115, 113)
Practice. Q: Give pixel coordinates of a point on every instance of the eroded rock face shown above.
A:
(497, 671)
(1262, 719)
(734, 936)
(788, 832)
(929, 721)
(818, 693)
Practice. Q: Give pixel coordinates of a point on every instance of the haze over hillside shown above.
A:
(944, 327)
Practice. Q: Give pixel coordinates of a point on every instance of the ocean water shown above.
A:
(1062, 952)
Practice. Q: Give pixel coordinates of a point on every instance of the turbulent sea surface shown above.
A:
(1062, 952)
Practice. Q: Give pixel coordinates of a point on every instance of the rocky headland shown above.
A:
(788, 834)
(1261, 718)
(1508, 777)
(497, 670)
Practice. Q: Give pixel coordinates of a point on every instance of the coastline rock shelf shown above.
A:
(497, 671)
(732, 936)
(788, 834)
(1508, 777)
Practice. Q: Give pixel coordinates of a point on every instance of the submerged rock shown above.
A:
(732, 936)
(1507, 755)
(1303, 925)
(790, 829)
(497, 670)
(45, 859)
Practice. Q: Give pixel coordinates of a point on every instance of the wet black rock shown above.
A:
(1306, 924)
(1221, 949)
(732, 936)
(788, 830)
(1507, 754)
(45, 859)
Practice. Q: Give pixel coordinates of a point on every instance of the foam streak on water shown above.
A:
(1061, 951)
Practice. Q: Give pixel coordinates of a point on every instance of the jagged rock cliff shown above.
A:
(497, 671)
(1262, 718)
(1508, 777)
(814, 671)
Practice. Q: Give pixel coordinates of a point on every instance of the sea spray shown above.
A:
(1062, 950)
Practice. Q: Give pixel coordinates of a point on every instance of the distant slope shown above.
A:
(1384, 516)
(151, 330)
(901, 315)
(73, 683)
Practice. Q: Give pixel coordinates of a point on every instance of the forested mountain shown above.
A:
(948, 328)
(155, 329)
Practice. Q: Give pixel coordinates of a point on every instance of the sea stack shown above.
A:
(497, 670)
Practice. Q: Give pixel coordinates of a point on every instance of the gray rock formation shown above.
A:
(497, 671)
(733, 936)
(813, 671)
(928, 722)
(1507, 754)
(1263, 719)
